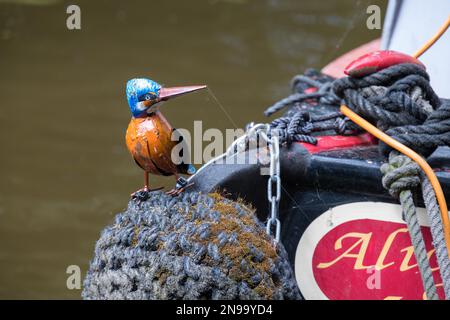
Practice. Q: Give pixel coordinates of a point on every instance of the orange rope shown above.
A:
(414, 156)
(435, 38)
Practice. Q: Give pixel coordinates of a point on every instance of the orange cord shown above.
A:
(414, 156)
(435, 38)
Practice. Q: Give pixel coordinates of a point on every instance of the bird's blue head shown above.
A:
(141, 95)
(144, 95)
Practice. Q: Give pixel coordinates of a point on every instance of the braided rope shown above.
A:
(401, 175)
(437, 232)
(408, 110)
(299, 125)
(193, 246)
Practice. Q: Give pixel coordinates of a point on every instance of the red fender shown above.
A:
(378, 60)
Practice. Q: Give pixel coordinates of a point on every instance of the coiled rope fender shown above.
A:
(193, 246)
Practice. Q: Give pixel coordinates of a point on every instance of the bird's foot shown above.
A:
(182, 184)
(142, 194)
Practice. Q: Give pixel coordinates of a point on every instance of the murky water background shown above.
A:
(65, 170)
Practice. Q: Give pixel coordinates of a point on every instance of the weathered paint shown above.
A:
(149, 141)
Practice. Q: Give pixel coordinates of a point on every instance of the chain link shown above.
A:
(253, 132)
(274, 194)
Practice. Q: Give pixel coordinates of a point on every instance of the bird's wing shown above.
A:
(183, 155)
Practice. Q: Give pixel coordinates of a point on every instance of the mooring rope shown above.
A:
(401, 102)
(299, 124)
(401, 175)
(437, 232)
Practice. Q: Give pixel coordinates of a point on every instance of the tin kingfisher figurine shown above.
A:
(149, 134)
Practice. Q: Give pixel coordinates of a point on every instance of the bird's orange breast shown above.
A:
(149, 142)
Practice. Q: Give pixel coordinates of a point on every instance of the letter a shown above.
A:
(73, 21)
(374, 20)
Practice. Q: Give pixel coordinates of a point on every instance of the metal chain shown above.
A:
(274, 195)
(253, 131)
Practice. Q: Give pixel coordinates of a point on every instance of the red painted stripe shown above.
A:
(327, 143)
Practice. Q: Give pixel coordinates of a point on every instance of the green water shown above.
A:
(65, 170)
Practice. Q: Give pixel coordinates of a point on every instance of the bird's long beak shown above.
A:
(169, 93)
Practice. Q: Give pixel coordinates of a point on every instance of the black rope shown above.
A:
(300, 125)
(409, 110)
(398, 99)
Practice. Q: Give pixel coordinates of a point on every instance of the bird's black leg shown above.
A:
(182, 184)
(145, 189)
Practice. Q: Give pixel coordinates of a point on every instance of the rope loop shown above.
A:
(400, 173)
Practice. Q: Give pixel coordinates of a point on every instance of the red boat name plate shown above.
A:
(362, 251)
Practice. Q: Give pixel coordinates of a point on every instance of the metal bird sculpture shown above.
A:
(149, 134)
